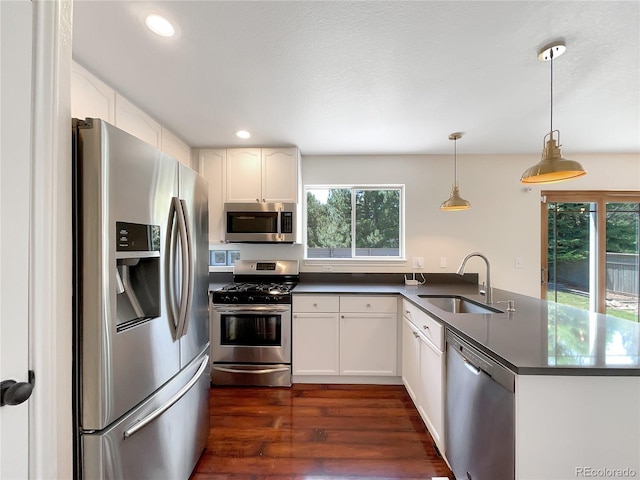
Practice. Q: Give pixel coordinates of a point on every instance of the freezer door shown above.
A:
(125, 345)
(194, 200)
(162, 439)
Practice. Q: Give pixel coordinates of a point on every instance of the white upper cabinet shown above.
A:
(174, 146)
(280, 168)
(90, 96)
(212, 162)
(136, 122)
(262, 175)
(244, 175)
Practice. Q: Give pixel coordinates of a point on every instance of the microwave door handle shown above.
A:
(280, 223)
(188, 269)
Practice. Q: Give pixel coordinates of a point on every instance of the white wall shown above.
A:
(503, 223)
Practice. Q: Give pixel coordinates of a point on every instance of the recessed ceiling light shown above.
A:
(160, 25)
(242, 134)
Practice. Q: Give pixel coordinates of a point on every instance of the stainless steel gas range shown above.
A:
(251, 324)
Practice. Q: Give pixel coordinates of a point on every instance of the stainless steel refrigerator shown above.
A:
(141, 331)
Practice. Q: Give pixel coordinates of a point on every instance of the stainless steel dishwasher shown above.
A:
(479, 418)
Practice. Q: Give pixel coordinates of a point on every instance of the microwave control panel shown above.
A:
(286, 222)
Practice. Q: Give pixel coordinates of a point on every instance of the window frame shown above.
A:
(401, 258)
(600, 198)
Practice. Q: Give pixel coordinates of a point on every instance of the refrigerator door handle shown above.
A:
(170, 263)
(184, 254)
(262, 371)
(169, 403)
(188, 270)
(179, 306)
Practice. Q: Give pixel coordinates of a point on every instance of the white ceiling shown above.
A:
(367, 77)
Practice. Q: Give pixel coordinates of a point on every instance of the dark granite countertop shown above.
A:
(539, 338)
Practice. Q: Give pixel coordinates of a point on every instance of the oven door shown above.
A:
(258, 334)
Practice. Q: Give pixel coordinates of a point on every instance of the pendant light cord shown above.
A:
(551, 56)
(455, 162)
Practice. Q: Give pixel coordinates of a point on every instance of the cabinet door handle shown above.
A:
(258, 200)
(407, 312)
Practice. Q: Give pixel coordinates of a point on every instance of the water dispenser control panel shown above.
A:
(137, 237)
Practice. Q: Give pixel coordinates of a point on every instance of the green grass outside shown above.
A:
(579, 301)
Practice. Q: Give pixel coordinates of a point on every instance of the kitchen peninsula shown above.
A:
(577, 384)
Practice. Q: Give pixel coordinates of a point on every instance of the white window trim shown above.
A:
(361, 261)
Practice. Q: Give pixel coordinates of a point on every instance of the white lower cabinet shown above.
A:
(410, 359)
(316, 338)
(368, 343)
(316, 335)
(423, 367)
(431, 389)
(344, 335)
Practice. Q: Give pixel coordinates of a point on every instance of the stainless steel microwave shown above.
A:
(260, 222)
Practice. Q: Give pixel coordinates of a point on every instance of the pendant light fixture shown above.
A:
(455, 202)
(553, 167)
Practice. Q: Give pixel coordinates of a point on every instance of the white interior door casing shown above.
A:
(35, 235)
(15, 155)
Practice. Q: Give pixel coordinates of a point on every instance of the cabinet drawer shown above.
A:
(316, 303)
(430, 328)
(364, 303)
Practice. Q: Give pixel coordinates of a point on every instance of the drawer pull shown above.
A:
(315, 304)
(368, 305)
(407, 312)
(425, 327)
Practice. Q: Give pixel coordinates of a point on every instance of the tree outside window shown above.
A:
(590, 251)
(354, 222)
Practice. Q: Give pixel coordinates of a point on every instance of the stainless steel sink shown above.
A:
(458, 304)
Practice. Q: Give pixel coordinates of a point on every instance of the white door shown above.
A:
(15, 154)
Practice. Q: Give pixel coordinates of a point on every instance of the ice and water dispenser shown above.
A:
(137, 274)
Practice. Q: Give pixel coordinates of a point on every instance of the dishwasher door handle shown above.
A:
(471, 367)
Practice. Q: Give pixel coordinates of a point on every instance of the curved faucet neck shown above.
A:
(472, 254)
(486, 261)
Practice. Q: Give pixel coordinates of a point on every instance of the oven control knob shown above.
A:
(226, 299)
(250, 299)
(234, 299)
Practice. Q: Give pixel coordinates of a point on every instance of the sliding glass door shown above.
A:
(623, 227)
(590, 250)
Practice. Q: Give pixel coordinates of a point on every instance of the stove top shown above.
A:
(269, 282)
(254, 293)
(248, 287)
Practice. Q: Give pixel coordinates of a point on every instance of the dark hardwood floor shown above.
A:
(317, 431)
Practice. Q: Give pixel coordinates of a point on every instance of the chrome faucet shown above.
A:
(460, 271)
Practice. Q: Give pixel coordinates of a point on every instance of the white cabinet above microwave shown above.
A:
(262, 175)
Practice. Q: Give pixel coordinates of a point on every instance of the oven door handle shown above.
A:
(262, 371)
(252, 309)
